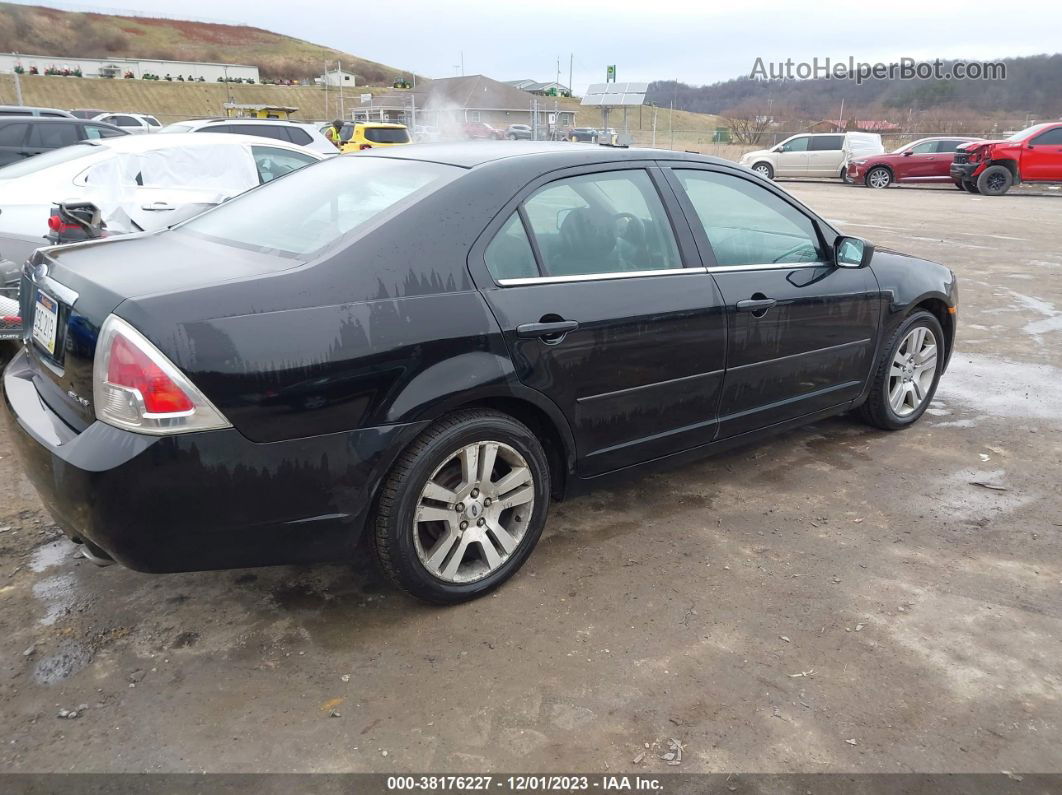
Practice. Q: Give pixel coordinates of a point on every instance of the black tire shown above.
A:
(512, 137)
(959, 184)
(995, 181)
(970, 185)
(394, 525)
(877, 410)
(881, 175)
(765, 169)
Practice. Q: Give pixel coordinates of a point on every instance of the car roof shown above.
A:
(34, 109)
(380, 124)
(148, 143)
(551, 154)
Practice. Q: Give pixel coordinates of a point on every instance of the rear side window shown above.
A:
(53, 136)
(13, 134)
(315, 207)
(386, 135)
(601, 223)
(924, 148)
(949, 146)
(509, 255)
(746, 223)
(1049, 138)
(95, 131)
(826, 143)
(152, 121)
(300, 137)
(274, 131)
(123, 121)
(216, 128)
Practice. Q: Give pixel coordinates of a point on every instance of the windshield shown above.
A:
(48, 159)
(1021, 135)
(311, 208)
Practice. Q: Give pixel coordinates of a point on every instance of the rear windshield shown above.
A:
(311, 208)
(47, 160)
(386, 135)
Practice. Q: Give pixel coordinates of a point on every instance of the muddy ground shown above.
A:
(838, 599)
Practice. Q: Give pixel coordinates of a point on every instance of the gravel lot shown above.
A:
(837, 599)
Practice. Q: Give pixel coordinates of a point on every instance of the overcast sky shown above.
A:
(647, 41)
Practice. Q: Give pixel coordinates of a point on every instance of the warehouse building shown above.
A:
(119, 67)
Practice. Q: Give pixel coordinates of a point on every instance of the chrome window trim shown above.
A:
(769, 266)
(594, 277)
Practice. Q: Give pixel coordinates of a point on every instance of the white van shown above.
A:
(813, 155)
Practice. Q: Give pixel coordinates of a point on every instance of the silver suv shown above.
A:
(292, 132)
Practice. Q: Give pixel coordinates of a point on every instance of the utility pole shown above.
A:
(671, 124)
(325, 88)
(18, 84)
(654, 126)
(462, 63)
(571, 64)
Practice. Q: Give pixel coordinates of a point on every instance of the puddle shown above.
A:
(58, 596)
(1003, 389)
(53, 554)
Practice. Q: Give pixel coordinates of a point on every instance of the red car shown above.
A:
(481, 131)
(991, 167)
(924, 160)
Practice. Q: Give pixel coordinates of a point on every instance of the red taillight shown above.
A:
(131, 368)
(365, 146)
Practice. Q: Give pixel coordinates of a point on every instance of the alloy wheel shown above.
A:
(912, 372)
(473, 512)
(763, 170)
(879, 178)
(995, 182)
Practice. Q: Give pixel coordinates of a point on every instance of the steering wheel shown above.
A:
(633, 232)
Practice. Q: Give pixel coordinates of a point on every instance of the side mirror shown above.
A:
(852, 252)
(908, 153)
(778, 148)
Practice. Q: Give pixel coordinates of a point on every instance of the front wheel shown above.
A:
(463, 507)
(765, 170)
(970, 185)
(995, 181)
(960, 184)
(907, 373)
(879, 178)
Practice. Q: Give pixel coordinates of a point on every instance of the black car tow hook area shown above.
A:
(757, 305)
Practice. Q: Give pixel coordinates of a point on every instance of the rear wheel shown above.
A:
(463, 508)
(906, 377)
(764, 170)
(879, 177)
(995, 181)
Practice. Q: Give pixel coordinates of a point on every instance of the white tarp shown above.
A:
(122, 185)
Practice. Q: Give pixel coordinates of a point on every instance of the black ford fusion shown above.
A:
(428, 345)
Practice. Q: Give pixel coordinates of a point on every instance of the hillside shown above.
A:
(48, 31)
(1031, 86)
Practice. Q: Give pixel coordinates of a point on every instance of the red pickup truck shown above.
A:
(991, 167)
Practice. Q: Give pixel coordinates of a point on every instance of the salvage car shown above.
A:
(425, 345)
(924, 160)
(298, 133)
(140, 182)
(813, 155)
(993, 167)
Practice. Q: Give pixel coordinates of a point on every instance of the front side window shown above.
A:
(13, 134)
(315, 207)
(796, 145)
(601, 223)
(272, 162)
(746, 224)
(924, 148)
(826, 143)
(1049, 138)
(93, 131)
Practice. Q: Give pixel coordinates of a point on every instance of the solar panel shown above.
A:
(615, 94)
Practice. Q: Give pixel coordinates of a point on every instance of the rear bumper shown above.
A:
(199, 501)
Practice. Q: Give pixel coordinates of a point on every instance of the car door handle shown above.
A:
(555, 328)
(755, 304)
(157, 206)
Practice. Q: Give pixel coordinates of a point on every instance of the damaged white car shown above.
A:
(139, 183)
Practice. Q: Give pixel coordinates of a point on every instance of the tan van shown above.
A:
(813, 155)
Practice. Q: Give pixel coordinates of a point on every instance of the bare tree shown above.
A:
(750, 120)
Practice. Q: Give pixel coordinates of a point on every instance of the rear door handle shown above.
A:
(555, 328)
(157, 206)
(755, 304)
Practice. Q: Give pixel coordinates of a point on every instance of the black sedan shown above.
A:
(425, 345)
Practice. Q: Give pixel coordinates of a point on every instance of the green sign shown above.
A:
(610, 74)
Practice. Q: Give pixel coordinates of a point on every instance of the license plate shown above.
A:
(45, 321)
